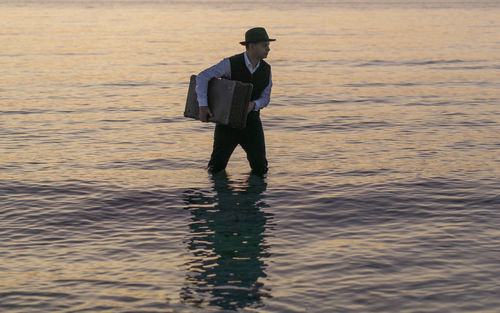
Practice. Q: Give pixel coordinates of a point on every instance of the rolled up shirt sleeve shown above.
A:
(221, 69)
(265, 96)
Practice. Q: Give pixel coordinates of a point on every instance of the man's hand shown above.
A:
(205, 113)
(251, 106)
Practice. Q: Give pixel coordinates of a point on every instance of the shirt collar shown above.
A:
(248, 63)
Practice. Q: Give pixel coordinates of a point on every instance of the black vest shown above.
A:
(259, 79)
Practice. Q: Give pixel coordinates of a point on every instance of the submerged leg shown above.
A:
(253, 142)
(225, 141)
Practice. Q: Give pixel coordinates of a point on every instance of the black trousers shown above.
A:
(251, 139)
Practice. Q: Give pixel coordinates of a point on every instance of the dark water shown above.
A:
(383, 193)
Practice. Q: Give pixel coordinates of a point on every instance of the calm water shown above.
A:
(382, 135)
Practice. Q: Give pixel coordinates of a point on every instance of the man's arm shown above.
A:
(265, 96)
(223, 68)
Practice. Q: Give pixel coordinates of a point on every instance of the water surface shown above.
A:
(382, 139)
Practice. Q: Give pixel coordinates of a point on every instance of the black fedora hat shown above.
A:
(255, 35)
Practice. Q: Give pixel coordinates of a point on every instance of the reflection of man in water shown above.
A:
(228, 245)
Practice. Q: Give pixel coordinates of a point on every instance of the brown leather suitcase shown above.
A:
(227, 99)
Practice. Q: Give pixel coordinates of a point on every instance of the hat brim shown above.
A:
(246, 42)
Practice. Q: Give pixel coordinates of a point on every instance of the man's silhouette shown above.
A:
(248, 67)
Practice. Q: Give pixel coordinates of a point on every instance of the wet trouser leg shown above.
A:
(251, 139)
(253, 142)
(225, 141)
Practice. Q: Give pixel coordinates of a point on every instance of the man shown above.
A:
(248, 67)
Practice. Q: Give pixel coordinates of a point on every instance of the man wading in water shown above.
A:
(248, 67)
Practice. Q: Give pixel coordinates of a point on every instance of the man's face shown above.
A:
(260, 49)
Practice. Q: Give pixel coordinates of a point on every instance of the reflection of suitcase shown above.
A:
(227, 99)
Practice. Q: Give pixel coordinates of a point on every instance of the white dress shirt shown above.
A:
(223, 69)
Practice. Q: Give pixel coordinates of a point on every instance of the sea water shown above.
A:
(382, 138)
